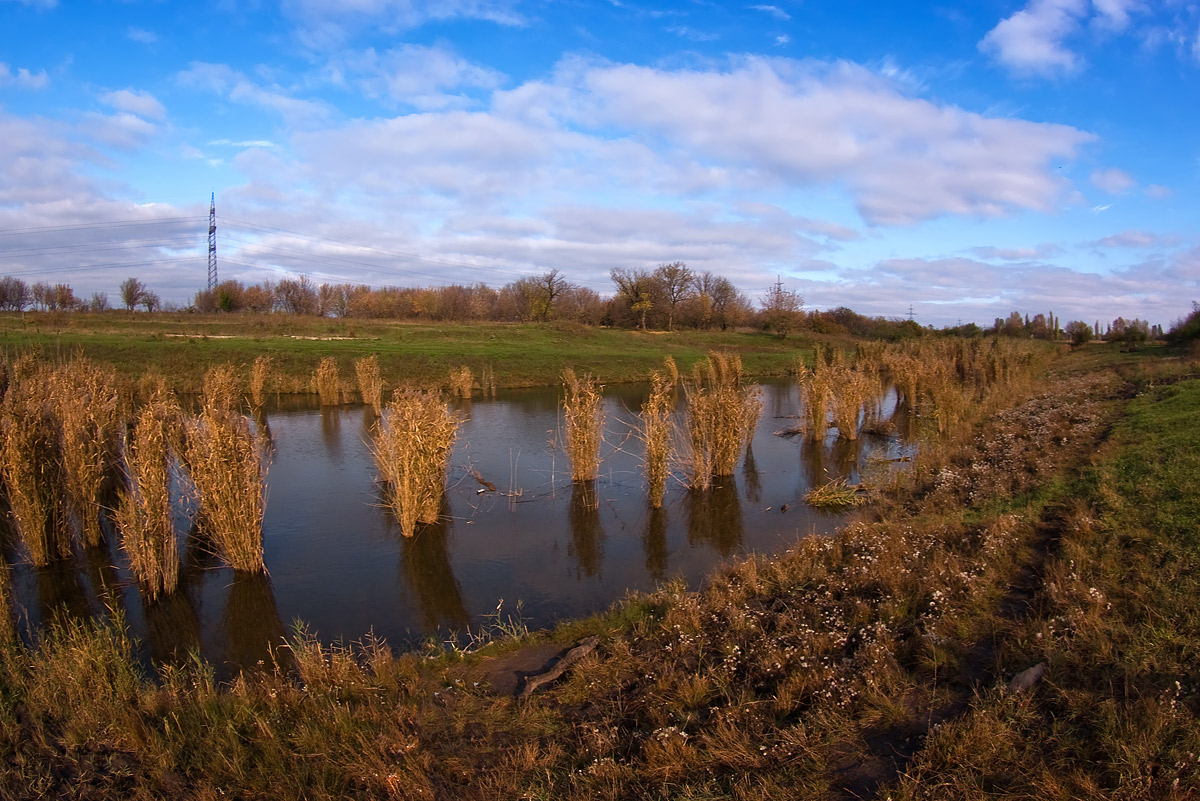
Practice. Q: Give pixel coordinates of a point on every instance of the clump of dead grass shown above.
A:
(328, 382)
(370, 385)
(144, 514)
(88, 408)
(721, 417)
(260, 376)
(583, 415)
(462, 382)
(656, 432)
(412, 452)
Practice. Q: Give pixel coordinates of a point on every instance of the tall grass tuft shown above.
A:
(721, 417)
(260, 375)
(583, 414)
(461, 382)
(370, 385)
(227, 459)
(851, 401)
(672, 370)
(656, 431)
(144, 513)
(329, 382)
(222, 388)
(31, 465)
(88, 408)
(412, 451)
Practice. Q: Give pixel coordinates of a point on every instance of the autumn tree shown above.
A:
(781, 308)
(635, 288)
(675, 285)
(131, 293)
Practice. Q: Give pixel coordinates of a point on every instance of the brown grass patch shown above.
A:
(583, 414)
(412, 451)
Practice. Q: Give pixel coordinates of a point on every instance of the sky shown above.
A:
(954, 162)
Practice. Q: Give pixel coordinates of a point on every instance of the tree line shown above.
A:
(669, 297)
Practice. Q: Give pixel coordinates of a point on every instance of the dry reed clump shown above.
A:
(721, 417)
(370, 385)
(583, 413)
(837, 494)
(329, 382)
(487, 381)
(31, 465)
(412, 451)
(260, 375)
(853, 399)
(462, 382)
(672, 369)
(656, 431)
(145, 515)
(222, 388)
(88, 407)
(227, 459)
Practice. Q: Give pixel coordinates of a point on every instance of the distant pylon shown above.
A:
(212, 242)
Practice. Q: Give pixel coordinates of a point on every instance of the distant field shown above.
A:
(180, 347)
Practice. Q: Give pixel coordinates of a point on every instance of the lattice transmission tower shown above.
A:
(212, 242)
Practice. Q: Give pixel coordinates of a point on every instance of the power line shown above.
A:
(98, 225)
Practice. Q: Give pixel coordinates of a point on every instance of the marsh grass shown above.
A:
(462, 382)
(721, 416)
(144, 514)
(328, 382)
(89, 410)
(837, 494)
(222, 389)
(31, 465)
(412, 452)
(260, 377)
(656, 433)
(370, 385)
(227, 460)
(583, 417)
(852, 395)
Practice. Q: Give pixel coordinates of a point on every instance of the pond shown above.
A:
(515, 532)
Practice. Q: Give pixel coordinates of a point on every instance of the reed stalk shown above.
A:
(852, 395)
(370, 385)
(329, 382)
(656, 431)
(227, 458)
(412, 452)
(721, 417)
(144, 514)
(88, 408)
(461, 382)
(837, 494)
(583, 414)
(31, 466)
(672, 370)
(260, 375)
(222, 388)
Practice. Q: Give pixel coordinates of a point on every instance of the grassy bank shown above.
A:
(182, 347)
(1058, 531)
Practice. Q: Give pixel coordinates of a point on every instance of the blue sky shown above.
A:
(1038, 156)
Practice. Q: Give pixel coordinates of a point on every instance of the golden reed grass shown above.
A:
(329, 382)
(31, 465)
(88, 406)
(370, 385)
(227, 459)
(260, 376)
(721, 417)
(222, 388)
(144, 513)
(412, 451)
(583, 415)
(656, 433)
(462, 382)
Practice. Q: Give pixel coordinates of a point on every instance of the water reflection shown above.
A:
(587, 533)
(251, 628)
(426, 571)
(172, 627)
(751, 477)
(654, 543)
(331, 432)
(714, 517)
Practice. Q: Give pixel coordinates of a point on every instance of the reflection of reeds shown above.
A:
(656, 431)
(144, 513)
(412, 451)
(721, 416)
(487, 381)
(227, 460)
(31, 467)
(583, 413)
(329, 382)
(260, 373)
(370, 385)
(461, 382)
(88, 407)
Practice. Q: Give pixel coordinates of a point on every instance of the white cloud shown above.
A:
(1137, 239)
(136, 102)
(782, 39)
(1031, 40)
(424, 77)
(224, 80)
(775, 11)
(141, 36)
(328, 23)
(1042, 251)
(1158, 192)
(1114, 14)
(23, 78)
(267, 143)
(122, 130)
(1113, 181)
